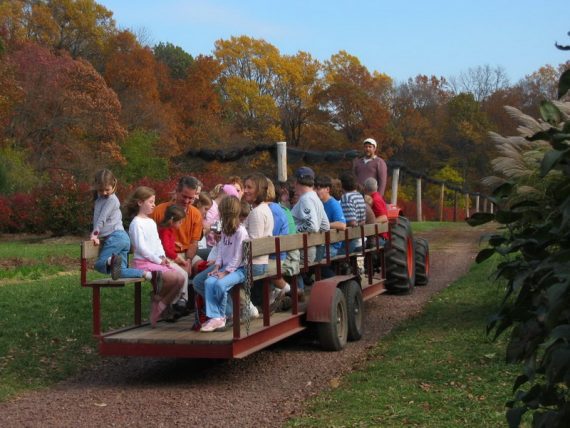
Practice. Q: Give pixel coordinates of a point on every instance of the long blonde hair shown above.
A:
(230, 209)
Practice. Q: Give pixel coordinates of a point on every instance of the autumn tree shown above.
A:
(466, 138)
(134, 75)
(494, 107)
(296, 85)
(197, 100)
(247, 80)
(80, 27)
(68, 118)
(540, 85)
(418, 113)
(355, 101)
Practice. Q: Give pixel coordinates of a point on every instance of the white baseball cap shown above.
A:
(370, 141)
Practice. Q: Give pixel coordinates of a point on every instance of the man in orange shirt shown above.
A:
(190, 231)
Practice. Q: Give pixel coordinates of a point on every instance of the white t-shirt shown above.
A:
(259, 224)
(145, 240)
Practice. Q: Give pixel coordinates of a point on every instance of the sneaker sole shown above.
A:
(116, 267)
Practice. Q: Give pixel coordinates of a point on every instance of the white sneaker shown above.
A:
(275, 293)
(278, 293)
(250, 311)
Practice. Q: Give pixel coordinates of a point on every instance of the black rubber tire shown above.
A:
(354, 307)
(400, 258)
(333, 335)
(422, 261)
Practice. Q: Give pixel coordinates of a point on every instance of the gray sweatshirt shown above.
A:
(107, 215)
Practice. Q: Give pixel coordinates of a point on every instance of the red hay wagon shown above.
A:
(334, 305)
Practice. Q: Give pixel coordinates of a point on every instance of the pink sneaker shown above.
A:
(213, 324)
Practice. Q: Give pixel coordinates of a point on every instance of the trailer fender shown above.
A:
(322, 294)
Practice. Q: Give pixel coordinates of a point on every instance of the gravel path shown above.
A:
(264, 389)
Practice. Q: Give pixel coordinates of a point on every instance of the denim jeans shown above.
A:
(117, 243)
(321, 253)
(216, 290)
(354, 246)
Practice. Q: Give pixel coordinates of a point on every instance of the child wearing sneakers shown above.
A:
(149, 253)
(228, 269)
(108, 230)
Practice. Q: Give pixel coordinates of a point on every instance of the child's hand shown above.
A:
(165, 261)
(214, 272)
(222, 274)
(94, 239)
(180, 261)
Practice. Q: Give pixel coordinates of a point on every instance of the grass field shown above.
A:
(21, 260)
(45, 319)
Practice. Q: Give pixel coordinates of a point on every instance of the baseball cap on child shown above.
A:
(230, 190)
(370, 141)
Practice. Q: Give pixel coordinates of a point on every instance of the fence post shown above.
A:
(441, 201)
(395, 179)
(467, 202)
(281, 161)
(477, 203)
(455, 205)
(419, 198)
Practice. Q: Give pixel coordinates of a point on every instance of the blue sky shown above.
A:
(399, 38)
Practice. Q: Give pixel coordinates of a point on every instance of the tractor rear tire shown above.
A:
(422, 261)
(333, 334)
(400, 258)
(354, 307)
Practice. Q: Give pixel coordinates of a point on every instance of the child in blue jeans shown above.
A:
(108, 230)
(228, 269)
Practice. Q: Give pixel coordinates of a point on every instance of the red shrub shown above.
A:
(6, 219)
(27, 213)
(67, 205)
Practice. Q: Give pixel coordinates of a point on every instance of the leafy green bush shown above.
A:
(142, 159)
(536, 246)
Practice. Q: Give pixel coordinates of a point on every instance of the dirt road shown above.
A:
(262, 390)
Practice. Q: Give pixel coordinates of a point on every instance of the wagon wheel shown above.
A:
(422, 261)
(354, 307)
(333, 334)
(400, 257)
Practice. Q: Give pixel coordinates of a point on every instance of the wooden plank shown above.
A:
(89, 250)
(180, 332)
(109, 282)
(264, 246)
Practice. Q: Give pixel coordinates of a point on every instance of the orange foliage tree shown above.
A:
(68, 119)
(134, 75)
(353, 101)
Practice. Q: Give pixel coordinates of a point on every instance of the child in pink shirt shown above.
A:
(228, 269)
